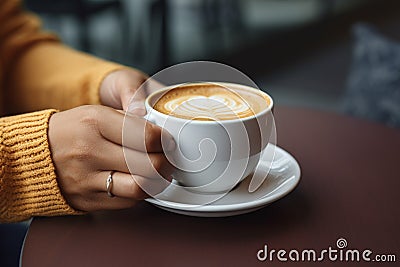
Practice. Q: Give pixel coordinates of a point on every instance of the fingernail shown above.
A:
(137, 108)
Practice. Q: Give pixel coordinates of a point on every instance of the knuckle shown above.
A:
(90, 115)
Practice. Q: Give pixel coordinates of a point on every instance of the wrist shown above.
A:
(30, 168)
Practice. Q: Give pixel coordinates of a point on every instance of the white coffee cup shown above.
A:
(214, 156)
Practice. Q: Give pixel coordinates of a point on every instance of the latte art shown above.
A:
(210, 102)
(213, 107)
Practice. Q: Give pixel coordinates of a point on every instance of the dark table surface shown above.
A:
(349, 191)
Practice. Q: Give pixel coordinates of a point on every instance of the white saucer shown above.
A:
(281, 180)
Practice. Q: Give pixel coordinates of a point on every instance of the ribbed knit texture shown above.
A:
(36, 73)
(28, 184)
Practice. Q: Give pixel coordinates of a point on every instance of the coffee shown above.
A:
(225, 128)
(208, 101)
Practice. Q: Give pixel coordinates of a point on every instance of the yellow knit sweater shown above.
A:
(36, 73)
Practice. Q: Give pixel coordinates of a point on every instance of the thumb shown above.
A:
(133, 102)
(136, 100)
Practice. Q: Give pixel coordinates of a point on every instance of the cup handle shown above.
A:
(147, 118)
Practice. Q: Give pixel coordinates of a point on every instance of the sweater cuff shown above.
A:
(28, 182)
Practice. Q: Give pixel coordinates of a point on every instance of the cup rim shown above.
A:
(257, 115)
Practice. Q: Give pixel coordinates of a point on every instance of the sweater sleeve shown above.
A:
(38, 71)
(28, 185)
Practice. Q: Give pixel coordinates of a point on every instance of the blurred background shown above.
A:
(304, 53)
(299, 51)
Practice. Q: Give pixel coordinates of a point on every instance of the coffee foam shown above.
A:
(210, 102)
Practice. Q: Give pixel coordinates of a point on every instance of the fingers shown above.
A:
(152, 85)
(125, 185)
(87, 140)
(138, 96)
(154, 165)
(119, 86)
(133, 132)
(127, 190)
(127, 89)
(114, 157)
(133, 101)
(133, 187)
(133, 93)
(145, 136)
(136, 186)
(129, 83)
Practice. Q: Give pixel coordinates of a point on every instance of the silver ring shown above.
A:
(109, 184)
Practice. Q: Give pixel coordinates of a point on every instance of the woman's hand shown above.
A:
(86, 144)
(120, 86)
(122, 89)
